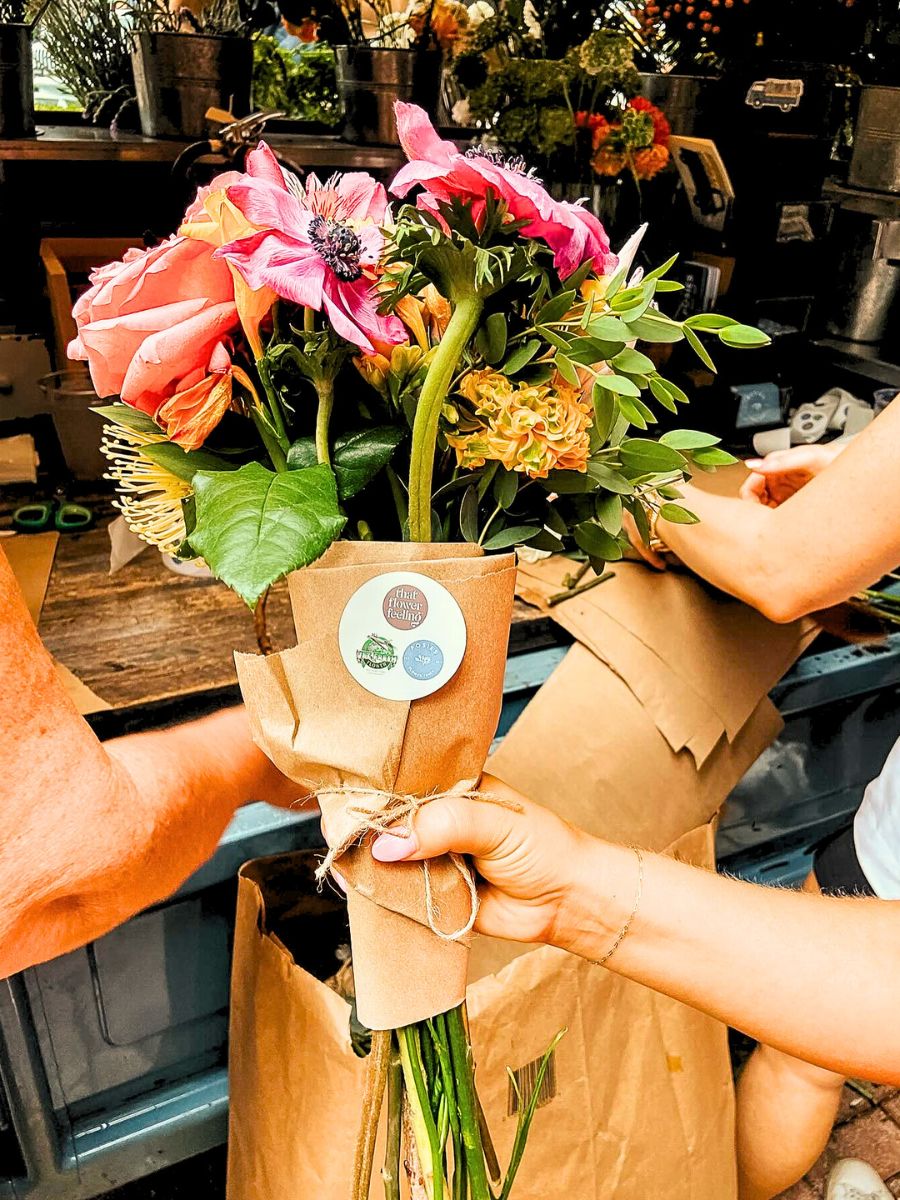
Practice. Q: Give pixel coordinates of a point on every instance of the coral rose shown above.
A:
(153, 319)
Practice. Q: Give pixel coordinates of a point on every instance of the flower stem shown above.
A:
(274, 403)
(460, 1054)
(423, 1118)
(325, 392)
(376, 1080)
(272, 445)
(391, 1170)
(440, 374)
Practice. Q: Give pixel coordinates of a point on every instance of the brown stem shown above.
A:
(376, 1081)
(260, 625)
(391, 1171)
(576, 591)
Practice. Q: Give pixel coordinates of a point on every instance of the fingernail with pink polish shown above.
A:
(388, 848)
(339, 880)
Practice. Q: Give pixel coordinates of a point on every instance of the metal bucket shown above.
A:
(178, 76)
(876, 141)
(16, 82)
(370, 80)
(69, 396)
(683, 98)
(867, 276)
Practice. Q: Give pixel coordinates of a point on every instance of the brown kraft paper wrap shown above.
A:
(325, 730)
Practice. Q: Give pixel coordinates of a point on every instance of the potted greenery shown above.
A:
(393, 55)
(186, 62)
(91, 54)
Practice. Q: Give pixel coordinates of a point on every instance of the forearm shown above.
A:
(817, 977)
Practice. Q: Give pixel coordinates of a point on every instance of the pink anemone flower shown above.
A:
(318, 246)
(571, 231)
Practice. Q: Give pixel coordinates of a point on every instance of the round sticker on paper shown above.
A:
(402, 635)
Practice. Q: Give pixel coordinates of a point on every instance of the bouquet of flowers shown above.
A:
(381, 404)
(635, 140)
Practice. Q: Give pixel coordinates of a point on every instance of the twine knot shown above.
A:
(395, 813)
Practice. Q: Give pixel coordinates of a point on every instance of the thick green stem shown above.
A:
(423, 1118)
(468, 1105)
(325, 392)
(440, 374)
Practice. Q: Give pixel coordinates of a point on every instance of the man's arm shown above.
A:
(90, 833)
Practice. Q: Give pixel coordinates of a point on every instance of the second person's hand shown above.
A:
(528, 857)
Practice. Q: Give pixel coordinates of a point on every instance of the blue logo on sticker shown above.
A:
(423, 659)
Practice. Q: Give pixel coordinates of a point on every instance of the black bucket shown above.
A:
(370, 79)
(16, 82)
(178, 76)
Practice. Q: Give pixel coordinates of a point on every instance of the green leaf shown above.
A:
(468, 515)
(522, 356)
(556, 309)
(711, 322)
(669, 285)
(513, 535)
(641, 520)
(491, 338)
(699, 349)
(658, 272)
(619, 384)
(644, 456)
(131, 418)
(744, 337)
(633, 362)
(654, 327)
(636, 412)
(610, 329)
(254, 526)
(597, 542)
(713, 457)
(184, 464)
(568, 372)
(506, 485)
(678, 515)
(662, 394)
(568, 483)
(538, 373)
(608, 509)
(688, 439)
(674, 391)
(669, 493)
(357, 457)
(559, 340)
(605, 411)
(606, 477)
(544, 540)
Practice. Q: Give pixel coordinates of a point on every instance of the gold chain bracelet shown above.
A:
(623, 932)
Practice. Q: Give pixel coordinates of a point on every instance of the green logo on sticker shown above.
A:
(377, 653)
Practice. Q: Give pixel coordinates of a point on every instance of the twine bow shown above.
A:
(395, 814)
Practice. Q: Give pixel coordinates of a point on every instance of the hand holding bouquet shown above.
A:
(458, 376)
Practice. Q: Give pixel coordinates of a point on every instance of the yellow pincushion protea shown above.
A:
(532, 429)
(149, 496)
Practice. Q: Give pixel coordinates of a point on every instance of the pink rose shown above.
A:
(153, 319)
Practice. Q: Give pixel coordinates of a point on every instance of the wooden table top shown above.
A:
(65, 143)
(147, 637)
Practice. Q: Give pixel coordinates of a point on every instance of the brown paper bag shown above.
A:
(637, 1103)
(325, 730)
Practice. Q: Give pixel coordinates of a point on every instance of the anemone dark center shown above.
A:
(338, 245)
(511, 162)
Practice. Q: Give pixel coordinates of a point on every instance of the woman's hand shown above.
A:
(782, 473)
(631, 531)
(529, 859)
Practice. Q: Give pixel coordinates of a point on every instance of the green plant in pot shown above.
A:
(296, 80)
(186, 62)
(90, 49)
(393, 55)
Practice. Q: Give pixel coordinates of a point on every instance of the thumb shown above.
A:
(454, 823)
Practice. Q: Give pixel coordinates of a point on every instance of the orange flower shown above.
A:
(213, 219)
(192, 413)
(651, 161)
(532, 429)
(608, 162)
(449, 20)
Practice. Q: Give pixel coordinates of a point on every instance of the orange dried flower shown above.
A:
(651, 161)
(532, 429)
